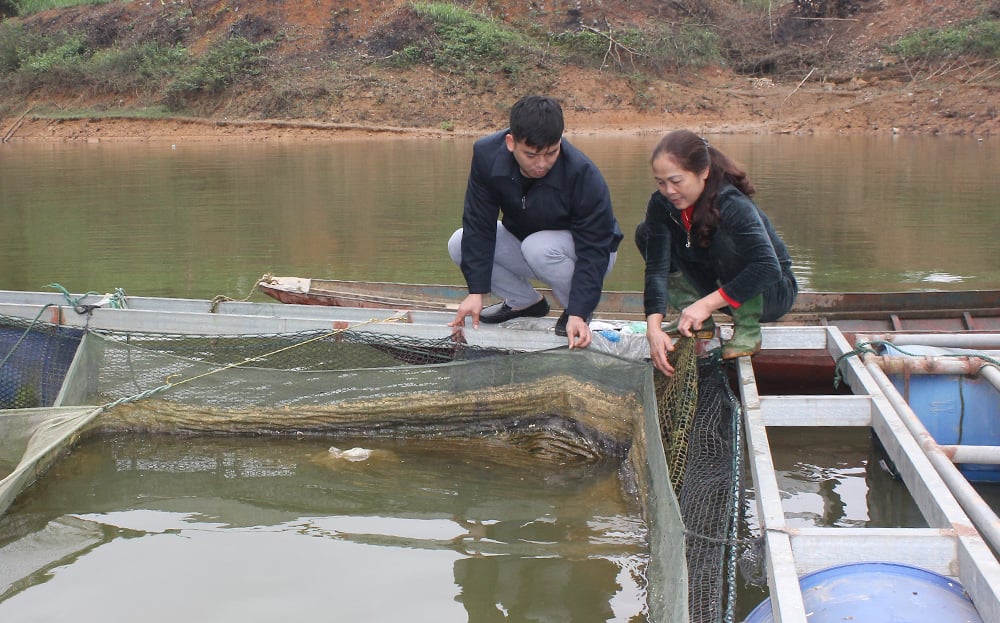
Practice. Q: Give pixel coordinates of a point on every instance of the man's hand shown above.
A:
(472, 305)
(578, 332)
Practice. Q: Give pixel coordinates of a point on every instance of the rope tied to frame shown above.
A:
(76, 302)
(222, 298)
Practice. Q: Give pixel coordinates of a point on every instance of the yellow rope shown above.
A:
(222, 298)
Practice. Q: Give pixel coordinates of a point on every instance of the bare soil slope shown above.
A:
(786, 71)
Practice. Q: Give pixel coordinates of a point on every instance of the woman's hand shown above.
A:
(694, 315)
(659, 345)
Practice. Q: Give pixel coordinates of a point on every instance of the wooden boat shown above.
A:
(782, 367)
(959, 310)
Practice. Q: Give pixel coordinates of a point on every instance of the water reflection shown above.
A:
(199, 220)
(837, 477)
(271, 529)
(497, 589)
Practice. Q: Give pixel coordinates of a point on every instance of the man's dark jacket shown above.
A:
(572, 196)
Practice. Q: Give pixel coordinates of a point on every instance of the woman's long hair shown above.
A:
(694, 154)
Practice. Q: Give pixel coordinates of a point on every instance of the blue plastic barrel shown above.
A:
(878, 592)
(954, 408)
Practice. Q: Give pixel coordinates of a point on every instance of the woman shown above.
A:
(708, 247)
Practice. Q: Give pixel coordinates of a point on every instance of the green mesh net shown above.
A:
(702, 431)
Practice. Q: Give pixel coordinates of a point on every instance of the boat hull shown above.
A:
(964, 310)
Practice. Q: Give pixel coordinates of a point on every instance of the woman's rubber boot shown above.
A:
(681, 294)
(746, 330)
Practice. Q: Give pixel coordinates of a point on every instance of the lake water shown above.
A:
(200, 220)
(176, 528)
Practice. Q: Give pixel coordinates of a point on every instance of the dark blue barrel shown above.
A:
(878, 592)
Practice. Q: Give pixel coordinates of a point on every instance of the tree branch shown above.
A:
(613, 47)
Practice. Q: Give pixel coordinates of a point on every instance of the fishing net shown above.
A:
(702, 431)
(563, 406)
(33, 363)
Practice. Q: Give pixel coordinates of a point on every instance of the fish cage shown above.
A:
(558, 406)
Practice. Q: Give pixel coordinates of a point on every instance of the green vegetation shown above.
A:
(758, 5)
(148, 112)
(224, 64)
(980, 37)
(168, 54)
(482, 50)
(12, 40)
(63, 56)
(27, 7)
(139, 67)
(72, 62)
(666, 47)
(36, 60)
(67, 60)
(465, 43)
(478, 50)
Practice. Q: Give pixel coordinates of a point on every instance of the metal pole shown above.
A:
(991, 374)
(979, 512)
(930, 364)
(983, 455)
(953, 340)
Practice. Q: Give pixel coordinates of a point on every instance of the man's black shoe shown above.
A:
(501, 312)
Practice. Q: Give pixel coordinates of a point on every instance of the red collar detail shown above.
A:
(686, 216)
